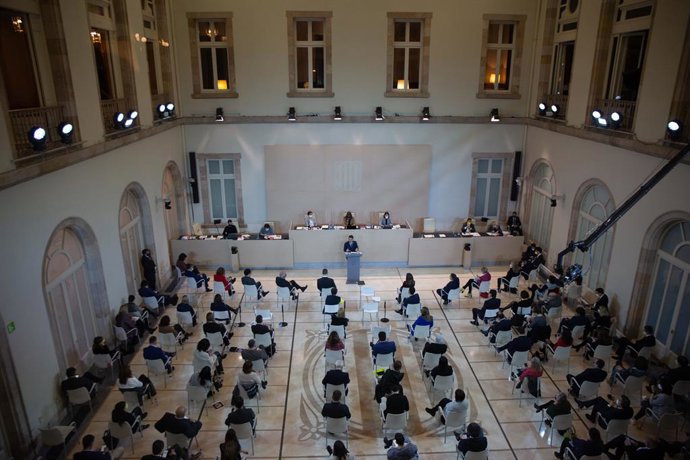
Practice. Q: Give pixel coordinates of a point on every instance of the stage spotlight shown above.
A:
(542, 109)
(615, 118)
(426, 114)
(292, 114)
(219, 114)
(132, 114)
(495, 117)
(378, 114)
(337, 114)
(596, 114)
(601, 121)
(119, 120)
(65, 131)
(128, 123)
(37, 138)
(161, 110)
(555, 110)
(674, 128)
(170, 107)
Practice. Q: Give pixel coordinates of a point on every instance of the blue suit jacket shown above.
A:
(352, 247)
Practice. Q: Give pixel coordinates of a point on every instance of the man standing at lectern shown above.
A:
(350, 245)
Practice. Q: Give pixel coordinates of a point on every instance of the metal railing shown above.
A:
(22, 120)
(625, 108)
(109, 108)
(560, 100)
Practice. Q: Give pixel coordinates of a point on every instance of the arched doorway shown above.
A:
(543, 187)
(592, 205)
(136, 233)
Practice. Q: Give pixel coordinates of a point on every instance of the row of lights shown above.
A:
(166, 110)
(613, 120)
(122, 121)
(38, 136)
(546, 110)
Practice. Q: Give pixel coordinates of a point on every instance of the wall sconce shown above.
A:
(495, 117)
(292, 114)
(378, 114)
(337, 115)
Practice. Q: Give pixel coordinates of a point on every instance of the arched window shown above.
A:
(668, 307)
(67, 280)
(596, 205)
(541, 212)
(135, 233)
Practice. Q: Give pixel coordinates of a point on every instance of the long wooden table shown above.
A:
(484, 250)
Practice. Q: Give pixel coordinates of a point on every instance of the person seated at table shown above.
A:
(514, 225)
(408, 283)
(334, 342)
(592, 447)
(595, 374)
(310, 220)
(494, 229)
(324, 282)
(281, 281)
(249, 281)
(386, 220)
(620, 409)
(229, 229)
(412, 299)
(476, 281)
(424, 319)
(266, 230)
(220, 306)
(389, 378)
(436, 345)
(200, 278)
(504, 283)
(490, 304)
(350, 245)
(454, 283)
(383, 346)
(349, 221)
(468, 226)
(220, 277)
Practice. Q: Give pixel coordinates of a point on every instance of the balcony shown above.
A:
(558, 99)
(626, 109)
(109, 108)
(22, 120)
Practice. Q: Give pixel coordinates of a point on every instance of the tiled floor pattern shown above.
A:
(290, 423)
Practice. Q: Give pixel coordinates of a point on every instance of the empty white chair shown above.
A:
(123, 336)
(558, 423)
(333, 356)
(554, 315)
(430, 360)
(197, 396)
(219, 288)
(247, 399)
(394, 422)
(57, 435)
(559, 354)
(337, 426)
(681, 388)
(245, 431)
(372, 308)
(264, 339)
(124, 432)
(421, 332)
(339, 328)
(602, 352)
(169, 342)
(331, 388)
(105, 361)
(131, 397)
(156, 367)
(151, 303)
(384, 360)
(366, 291)
(186, 320)
(455, 421)
(632, 387)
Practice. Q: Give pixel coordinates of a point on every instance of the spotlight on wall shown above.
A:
(37, 138)
(133, 114)
(337, 114)
(555, 110)
(596, 115)
(292, 114)
(171, 108)
(128, 123)
(378, 114)
(602, 122)
(495, 117)
(219, 114)
(542, 109)
(165, 110)
(674, 128)
(615, 118)
(65, 131)
(119, 120)
(426, 114)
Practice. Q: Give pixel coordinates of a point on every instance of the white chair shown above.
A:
(264, 339)
(151, 304)
(517, 360)
(186, 320)
(131, 397)
(221, 316)
(329, 309)
(532, 275)
(169, 342)
(645, 352)
(455, 421)
(674, 419)
(247, 399)
(602, 352)
(123, 336)
(267, 315)
(524, 389)
(337, 426)
(366, 291)
(156, 367)
(560, 354)
(558, 423)
(259, 366)
(342, 388)
(197, 396)
(441, 385)
(219, 288)
(513, 283)
(490, 315)
(430, 360)
(375, 329)
(216, 340)
(613, 428)
(283, 295)
(57, 435)
(105, 361)
(339, 328)
(80, 397)
(245, 431)
(483, 455)
(484, 288)
(250, 294)
(413, 311)
(632, 387)
(177, 439)
(333, 356)
(502, 339)
(403, 293)
(383, 360)
(453, 294)
(588, 390)
(421, 332)
(372, 308)
(394, 422)
(325, 292)
(124, 432)
(554, 315)
(571, 455)
(578, 333)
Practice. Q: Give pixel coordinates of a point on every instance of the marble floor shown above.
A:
(290, 423)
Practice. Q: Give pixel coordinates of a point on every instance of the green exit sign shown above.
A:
(11, 327)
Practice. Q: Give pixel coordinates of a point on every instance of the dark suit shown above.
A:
(249, 281)
(335, 410)
(73, 383)
(385, 347)
(92, 455)
(434, 348)
(675, 375)
(350, 246)
(592, 374)
(260, 329)
(175, 425)
(240, 416)
(396, 403)
(468, 228)
(452, 284)
(520, 343)
(229, 229)
(325, 283)
(472, 444)
(489, 304)
(149, 268)
(336, 377)
(411, 300)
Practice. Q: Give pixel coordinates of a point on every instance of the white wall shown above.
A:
(90, 190)
(451, 163)
(574, 161)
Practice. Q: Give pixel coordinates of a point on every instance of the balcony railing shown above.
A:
(23, 120)
(560, 100)
(109, 108)
(626, 109)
